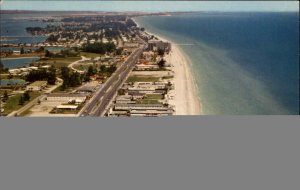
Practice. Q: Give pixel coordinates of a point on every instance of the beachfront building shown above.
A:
(36, 86)
(140, 110)
(144, 67)
(154, 45)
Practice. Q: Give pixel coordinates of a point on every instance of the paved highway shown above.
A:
(96, 106)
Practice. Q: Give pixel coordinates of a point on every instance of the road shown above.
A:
(77, 62)
(96, 106)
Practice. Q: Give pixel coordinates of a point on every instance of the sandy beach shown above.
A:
(186, 98)
(186, 101)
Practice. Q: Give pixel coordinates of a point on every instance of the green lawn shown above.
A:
(82, 67)
(60, 62)
(12, 104)
(69, 89)
(89, 55)
(154, 96)
(147, 101)
(151, 99)
(137, 78)
(168, 77)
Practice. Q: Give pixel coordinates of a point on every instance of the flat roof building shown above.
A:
(36, 86)
(66, 97)
(154, 45)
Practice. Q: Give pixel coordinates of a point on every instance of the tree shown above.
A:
(112, 69)
(86, 78)
(1, 66)
(119, 51)
(5, 96)
(65, 74)
(41, 49)
(26, 96)
(161, 52)
(91, 71)
(102, 68)
(51, 78)
(51, 75)
(161, 63)
(22, 50)
(121, 91)
(47, 53)
(21, 100)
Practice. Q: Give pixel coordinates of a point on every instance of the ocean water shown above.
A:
(243, 63)
(9, 82)
(14, 26)
(18, 62)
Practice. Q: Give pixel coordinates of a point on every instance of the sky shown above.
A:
(151, 6)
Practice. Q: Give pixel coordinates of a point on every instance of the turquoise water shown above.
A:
(243, 63)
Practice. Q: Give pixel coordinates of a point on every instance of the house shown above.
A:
(14, 71)
(46, 66)
(36, 86)
(16, 52)
(33, 68)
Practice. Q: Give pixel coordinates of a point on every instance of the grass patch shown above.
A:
(82, 67)
(151, 99)
(60, 62)
(3, 90)
(12, 104)
(154, 96)
(137, 78)
(89, 55)
(25, 113)
(147, 101)
(168, 77)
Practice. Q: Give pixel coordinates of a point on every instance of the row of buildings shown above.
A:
(136, 102)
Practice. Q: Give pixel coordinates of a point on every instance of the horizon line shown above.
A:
(181, 11)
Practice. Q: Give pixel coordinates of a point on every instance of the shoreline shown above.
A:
(11, 58)
(187, 100)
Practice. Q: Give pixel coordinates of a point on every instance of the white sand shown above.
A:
(186, 99)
